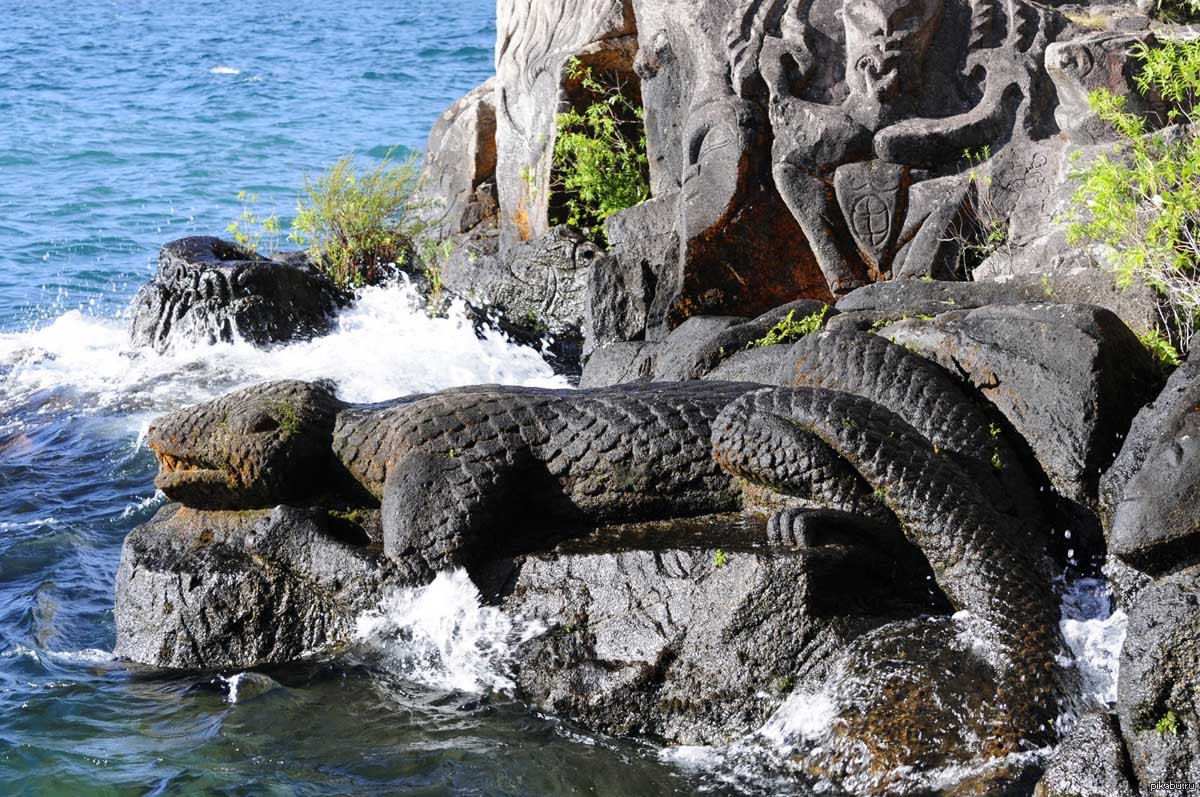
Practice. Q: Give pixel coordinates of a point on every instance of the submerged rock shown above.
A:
(207, 291)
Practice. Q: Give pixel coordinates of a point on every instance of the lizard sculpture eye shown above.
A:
(262, 422)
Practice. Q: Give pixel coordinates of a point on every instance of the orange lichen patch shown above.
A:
(748, 263)
(520, 218)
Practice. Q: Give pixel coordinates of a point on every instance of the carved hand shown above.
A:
(775, 62)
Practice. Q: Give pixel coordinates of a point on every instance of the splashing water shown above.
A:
(442, 636)
(1095, 634)
(1091, 628)
(383, 346)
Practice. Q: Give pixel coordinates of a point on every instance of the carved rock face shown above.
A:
(886, 42)
(249, 449)
(716, 153)
(1098, 61)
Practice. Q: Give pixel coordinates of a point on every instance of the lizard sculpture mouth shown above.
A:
(178, 471)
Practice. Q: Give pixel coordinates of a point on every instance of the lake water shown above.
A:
(127, 123)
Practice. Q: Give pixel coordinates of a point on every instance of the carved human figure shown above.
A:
(885, 42)
(848, 146)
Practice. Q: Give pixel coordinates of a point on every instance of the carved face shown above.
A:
(716, 146)
(886, 42)
(252, 448)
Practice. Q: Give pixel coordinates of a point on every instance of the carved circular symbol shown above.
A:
(872, 219)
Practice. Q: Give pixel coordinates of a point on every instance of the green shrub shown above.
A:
(600, 163)
(789, 329)
(358, 226)
(250, 229)
(1166, 355)
(1143, 202)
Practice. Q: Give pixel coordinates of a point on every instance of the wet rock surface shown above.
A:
(1091, 761)
(693, 631)
(214, 590)
(207, 291)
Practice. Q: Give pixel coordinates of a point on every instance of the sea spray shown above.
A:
(441, 635)
(382, 346)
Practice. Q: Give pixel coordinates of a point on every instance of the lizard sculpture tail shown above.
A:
(898, 699)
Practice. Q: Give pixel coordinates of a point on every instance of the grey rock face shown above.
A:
(889, 301)
(207, 290)
(1090, 762)
(459, 170)
(1068, 378)
(1151, 494)
(645, 251)
(616, 363)
(694, 348)
(1159, 686)
(543, 282)
(680, 631)
(763, 365)
(867, 118)
(1101, 60)
(236, 589)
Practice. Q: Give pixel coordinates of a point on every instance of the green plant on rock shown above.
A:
(251, 230)
(434, 257)
(1167, 725)
(360, 225)
(790, 330)
(1166, 355)
(287, 417)
(720, 559)
(600, 163)
(1142, 203)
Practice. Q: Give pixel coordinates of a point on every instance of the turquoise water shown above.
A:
(125, 124)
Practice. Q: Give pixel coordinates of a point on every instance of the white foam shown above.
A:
(442, 636)
(803, 717)
(225, 70)
(1095, 633)
(138, 507)
(85, 656)
(233, 682)
(383, 346)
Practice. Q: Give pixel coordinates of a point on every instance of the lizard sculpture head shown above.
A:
(257, 447)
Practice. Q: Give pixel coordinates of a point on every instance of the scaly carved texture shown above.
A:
(977, 560)
(926, 397)
(452, 469)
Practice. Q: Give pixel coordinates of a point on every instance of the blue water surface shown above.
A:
(124, 124)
